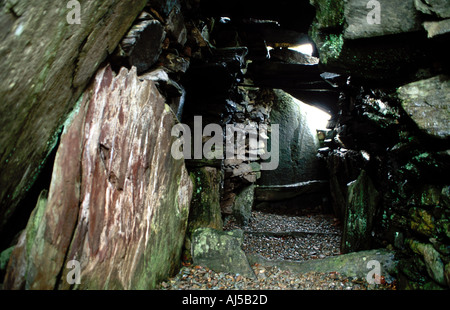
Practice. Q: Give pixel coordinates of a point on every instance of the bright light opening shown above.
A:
(225, 19)
(304, 49)
(317, 118)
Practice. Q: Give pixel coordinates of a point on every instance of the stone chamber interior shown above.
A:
(87, 142)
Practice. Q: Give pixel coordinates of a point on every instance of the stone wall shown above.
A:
(393, 129)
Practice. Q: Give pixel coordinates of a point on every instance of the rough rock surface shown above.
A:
(428, 104)
(118, 202)
(298, 143)
(205, 203)
(361, 207)
(47, 63)
(376, 40)
(242, 206)
(351, 265)
(220, 251)
(396, 16)
(437, 28)
(293, 57)
(439, 8)
(432, 259)
(141, 47)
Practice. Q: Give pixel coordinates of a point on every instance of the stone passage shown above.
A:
(279, 248)
(91, 107)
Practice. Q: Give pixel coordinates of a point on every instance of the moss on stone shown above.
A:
(422, 221)
(4, 257)
(332, 48)
(361, 207)
(35, 220)
(329, 13)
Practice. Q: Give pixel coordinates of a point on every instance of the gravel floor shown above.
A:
(285, 237)
(268, 278)
(277, 236)
(262, 222)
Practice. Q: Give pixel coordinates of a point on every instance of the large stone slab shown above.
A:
(205, 203)
(356, 264)
(377, 41)
(362, 203)
(282, 192)
(118, 201)
(395, 16)
(428, 104)
(242, 206)
(47, 63)
(220, 251)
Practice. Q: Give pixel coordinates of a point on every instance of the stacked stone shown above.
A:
(242, 174)
(427, 238)
(387, 185)
(389, 148)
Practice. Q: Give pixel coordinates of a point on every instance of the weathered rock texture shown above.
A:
(361, 206)
(401, 164)
(354, 264)
(118, 201)
(205, 204)
(220, 251)
(392, 46)
(141, 47)
(396, 16)
(242, 206)
(297, 140)
(47, 63)
(428, 104)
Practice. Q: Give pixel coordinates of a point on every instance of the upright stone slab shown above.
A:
(220, 251)
(205, 204)
(118, 201)
(47, 63)
(242, 206)
(361, 206)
